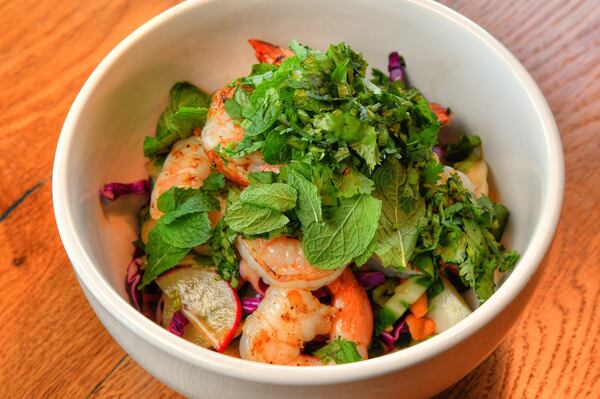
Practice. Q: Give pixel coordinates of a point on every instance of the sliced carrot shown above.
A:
(420, 328)
(419, 307)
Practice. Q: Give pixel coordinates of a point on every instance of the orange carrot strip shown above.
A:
(419, 307)
(420, 328)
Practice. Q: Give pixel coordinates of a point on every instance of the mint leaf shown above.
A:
(277, 196)
(275, 149)
(185, 231)
(250, 219)
(346, 232)
(308, 208)
(261, 177)
(161, 257)
(264, 110)
(186, 200)
(185, 112)
(339, 351)
(402, 207)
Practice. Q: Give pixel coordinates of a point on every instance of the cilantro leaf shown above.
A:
(339, 351)
(346, 232)
(461, 150)
(277, 196)
(354, 183)
(222, 246)
(214, 182)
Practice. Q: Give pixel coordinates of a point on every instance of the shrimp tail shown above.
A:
(269, 53)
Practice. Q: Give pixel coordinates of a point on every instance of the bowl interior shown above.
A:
(207, 46)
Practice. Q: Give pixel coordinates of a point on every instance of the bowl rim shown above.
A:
(97, 285)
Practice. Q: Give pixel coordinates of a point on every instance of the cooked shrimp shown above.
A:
(269, 53)
(280, 262)
(186, 166)
(288, 318)
(444, 115)
(220, 131)
(285, 319)
(354, 319)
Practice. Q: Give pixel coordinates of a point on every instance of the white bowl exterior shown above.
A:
(449, 58)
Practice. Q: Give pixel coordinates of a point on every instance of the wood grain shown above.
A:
(51, 344)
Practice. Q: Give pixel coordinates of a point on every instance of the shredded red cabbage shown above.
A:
(438, 151)
(132, 281)
(396, 67)
(112, 191)
(249, 305)
(370, 279)
(178, 323)
(389, 339)
(321, 293)
(262, 286)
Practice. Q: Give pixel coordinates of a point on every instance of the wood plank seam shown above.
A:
(106, 377)
(20, 200)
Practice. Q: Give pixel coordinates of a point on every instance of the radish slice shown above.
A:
(209, 303)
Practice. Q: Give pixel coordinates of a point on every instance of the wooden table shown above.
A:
(52, 345)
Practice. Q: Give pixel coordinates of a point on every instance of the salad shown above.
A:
(306, 214)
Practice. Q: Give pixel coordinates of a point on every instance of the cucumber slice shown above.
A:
(404, 295)
(447, 308)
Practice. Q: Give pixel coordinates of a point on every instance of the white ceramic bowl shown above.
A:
(451, 59)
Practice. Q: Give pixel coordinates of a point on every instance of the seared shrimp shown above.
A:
(269, 53)
(186, 166)
(285, 319)
(288, 318)
(280, 262)
(444, 115)
(221, 131)
(354, 319)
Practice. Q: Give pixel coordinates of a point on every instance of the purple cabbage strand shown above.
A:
(396, 67)
(370, 280)
(389, 339)
(178, 323)
(112, 191)
(249, 305)
(133, 279)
